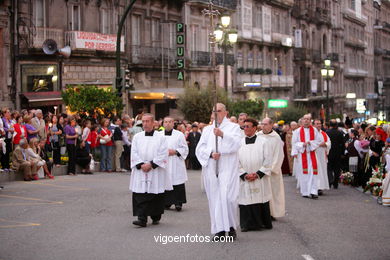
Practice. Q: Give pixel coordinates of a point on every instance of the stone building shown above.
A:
(382, 57)
(264, 55)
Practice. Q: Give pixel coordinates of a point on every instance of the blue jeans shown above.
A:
(105, 160)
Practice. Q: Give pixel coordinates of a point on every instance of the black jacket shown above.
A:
(193, 142)
(337, 144)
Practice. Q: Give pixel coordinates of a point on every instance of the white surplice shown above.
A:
(386, 182)
(322, 162)
(252, 158)
(308, 183)
(146, 149)
(176, 168)
(275, 144)
(222, 192)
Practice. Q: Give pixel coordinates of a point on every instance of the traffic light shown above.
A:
(118, 86)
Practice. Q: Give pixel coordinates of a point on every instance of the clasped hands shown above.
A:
(146, 167)
(251, 176)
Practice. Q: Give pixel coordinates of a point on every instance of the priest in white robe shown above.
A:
(275, 145)
(255, 186)
(176, 168)
(305, 141)
(149, 179)
(221, 190)
(322, 158)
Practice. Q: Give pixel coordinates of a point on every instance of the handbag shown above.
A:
(105, 139)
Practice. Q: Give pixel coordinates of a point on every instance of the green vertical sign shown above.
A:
(180, 41)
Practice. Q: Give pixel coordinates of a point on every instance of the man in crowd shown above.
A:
(335, 153)
(255, 186)
(149, 179)
(21, 163)
(275, 145)
(322, 158)
(304, 143)
(220, 171)
(176, 168)
(193, 140)
(39, 124)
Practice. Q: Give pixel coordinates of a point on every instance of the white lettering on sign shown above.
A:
(96, 41)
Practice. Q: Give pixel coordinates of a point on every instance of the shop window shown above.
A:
(39, 78)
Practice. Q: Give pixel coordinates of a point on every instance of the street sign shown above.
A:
(180, 41)
(360, 107)
(277, 103)
(371, 95)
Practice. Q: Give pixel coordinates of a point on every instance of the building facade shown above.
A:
(264, 67)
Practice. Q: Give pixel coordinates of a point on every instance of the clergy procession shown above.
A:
(241, 166)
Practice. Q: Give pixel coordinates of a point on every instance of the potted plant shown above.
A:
(240, 70)
(268, 71)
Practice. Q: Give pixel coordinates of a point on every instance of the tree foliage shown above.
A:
(293, 113)
(92, 100)
(254, 108)
(197, 104)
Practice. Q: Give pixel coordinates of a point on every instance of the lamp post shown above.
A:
(212, 14)
(327, 72)
(225, 36)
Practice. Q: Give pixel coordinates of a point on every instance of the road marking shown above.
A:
(307, 257)
(36, 201)
(18, 224)
(57, 186)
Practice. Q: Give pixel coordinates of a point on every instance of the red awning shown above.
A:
(46, 98)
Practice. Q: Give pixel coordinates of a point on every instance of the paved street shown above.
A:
(89, 217)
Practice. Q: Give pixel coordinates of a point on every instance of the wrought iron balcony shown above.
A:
(203, 58)
(230, 4)
(44, 33)
(157, 56)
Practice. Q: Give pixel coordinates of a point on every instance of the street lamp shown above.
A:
(327, 72)
(225, 37)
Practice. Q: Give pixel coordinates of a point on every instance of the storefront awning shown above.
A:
(48, 98)
(165, 93)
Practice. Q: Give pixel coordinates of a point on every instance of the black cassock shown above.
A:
(193, 140)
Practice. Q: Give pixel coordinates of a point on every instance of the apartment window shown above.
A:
(250, 60)
(259, 60)
(39, 13)
(194, 37)
(257, 17)
(135, 30)
(105, 21)
(75, 19)
(156, 33)
(239, 60)
(352, 4)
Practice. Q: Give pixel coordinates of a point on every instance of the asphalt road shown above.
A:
(89, 217)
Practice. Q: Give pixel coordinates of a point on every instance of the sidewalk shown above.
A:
(56, 171)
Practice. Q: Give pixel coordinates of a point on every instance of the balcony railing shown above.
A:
(267, 81)
(203, 58)
(302, 54)
(44, 33)
(230, 4)
(147, 55)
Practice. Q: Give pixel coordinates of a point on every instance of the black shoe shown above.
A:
(244, 230)
(178, 207)
(314, 197)
(218, 235)
(232, 233)
(156, 222)
(273, 219)
(308, 197)
(139, 223)
(320, 193)
(167, 206)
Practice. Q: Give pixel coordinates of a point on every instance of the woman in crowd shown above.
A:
(93, 141)
(354, 159)
(8, 131)
(20, 130)
(33, 155)
(83, 158)
(55, 131)
(31, 130)
(71, 139)
(86, 132)
(106, 144)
